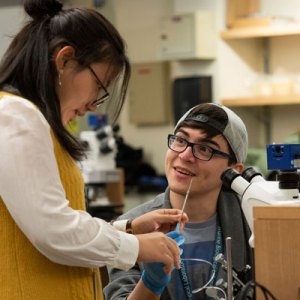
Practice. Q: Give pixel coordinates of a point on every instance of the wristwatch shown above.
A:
(129, 228)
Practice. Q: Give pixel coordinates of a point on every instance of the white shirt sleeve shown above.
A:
(31, 189)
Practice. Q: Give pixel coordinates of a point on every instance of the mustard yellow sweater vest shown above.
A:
(28, 275)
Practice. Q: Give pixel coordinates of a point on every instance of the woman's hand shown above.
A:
(157, 252)
(163, 220)
(158, 247)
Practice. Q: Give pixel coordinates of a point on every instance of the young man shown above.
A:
(207, 140)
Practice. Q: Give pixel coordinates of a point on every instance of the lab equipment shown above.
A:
(103, 181)
(254, 191)
(184, 203)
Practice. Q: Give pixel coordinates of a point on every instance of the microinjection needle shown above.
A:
(184, 203)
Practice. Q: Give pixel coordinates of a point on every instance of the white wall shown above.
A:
(11, 17)
(235, 67)
(138, 22)
(287, 8)
(236, 63)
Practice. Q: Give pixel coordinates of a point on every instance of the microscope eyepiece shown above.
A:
(228, 177)
(250, 173)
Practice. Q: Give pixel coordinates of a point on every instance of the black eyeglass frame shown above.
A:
(213, 151)
(106, 95)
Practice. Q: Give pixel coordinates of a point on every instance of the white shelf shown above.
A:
(261, 31)
(261, 101)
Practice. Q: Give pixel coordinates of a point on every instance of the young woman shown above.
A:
(62, 64)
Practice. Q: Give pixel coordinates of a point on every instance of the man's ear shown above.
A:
(63, 55)
(239, 167)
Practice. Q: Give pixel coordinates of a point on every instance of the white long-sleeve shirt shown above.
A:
(31, 189)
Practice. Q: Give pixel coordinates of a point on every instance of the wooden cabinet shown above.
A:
(115, 189)
(105, 197)
(277, 251)
(149, 102)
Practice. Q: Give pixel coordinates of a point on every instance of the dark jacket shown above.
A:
(233, 224)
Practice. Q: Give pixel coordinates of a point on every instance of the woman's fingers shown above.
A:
(163, 220)
(157, 247)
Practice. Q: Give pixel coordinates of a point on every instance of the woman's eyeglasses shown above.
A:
(103, 94)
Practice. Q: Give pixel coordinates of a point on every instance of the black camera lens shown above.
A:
(278, 149)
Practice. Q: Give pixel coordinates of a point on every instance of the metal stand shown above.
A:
(229, 269)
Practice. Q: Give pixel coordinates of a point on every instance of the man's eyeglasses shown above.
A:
(103, 94)
(200, 151)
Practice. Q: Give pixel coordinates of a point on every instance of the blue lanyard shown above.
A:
(215, 265)
(218, 250)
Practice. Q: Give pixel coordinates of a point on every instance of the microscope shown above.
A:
(103, 181)
(254, 191)
(101, 150)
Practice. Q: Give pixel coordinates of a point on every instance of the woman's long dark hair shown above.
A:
(28, 67)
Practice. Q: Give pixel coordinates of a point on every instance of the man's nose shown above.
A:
(187, 154)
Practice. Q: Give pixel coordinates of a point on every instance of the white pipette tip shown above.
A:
(184, 203)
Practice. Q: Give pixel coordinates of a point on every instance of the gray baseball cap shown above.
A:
(234, 129)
